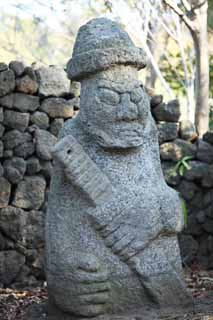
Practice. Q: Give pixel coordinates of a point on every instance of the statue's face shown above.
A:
(115, 107)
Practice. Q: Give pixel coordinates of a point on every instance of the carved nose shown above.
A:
(127, 111)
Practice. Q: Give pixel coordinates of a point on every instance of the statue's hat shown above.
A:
(100, 44)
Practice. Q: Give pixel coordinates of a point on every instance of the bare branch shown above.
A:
(173, 6)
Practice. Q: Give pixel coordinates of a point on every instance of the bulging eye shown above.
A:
(108, 96)
(136, 95)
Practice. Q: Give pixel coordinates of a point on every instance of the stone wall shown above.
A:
(33, 107)
(187, 163)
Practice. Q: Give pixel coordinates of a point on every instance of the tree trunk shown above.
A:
(200, 38)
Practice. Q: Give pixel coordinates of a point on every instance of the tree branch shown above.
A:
(173, 6)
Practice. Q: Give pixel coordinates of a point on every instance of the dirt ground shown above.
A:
(14, 303)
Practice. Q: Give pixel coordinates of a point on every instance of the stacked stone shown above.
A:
(33, 107)
(179, 140)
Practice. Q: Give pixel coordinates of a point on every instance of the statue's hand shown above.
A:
(81, 286)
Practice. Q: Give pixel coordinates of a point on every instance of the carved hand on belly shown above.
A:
(85, 285)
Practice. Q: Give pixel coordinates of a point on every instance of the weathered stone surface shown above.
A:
(33, 166)
(156, 100)
(207, 179)
(24, 227)
(1, 170)
(108, 193)
(167, 131)
(75, 88)
(187, 130)
(30, 72)
(14, 169)
(5, 189)
(30, 193)
(3, 66)
(171, 175)
(1, 149)
(187, 189)
(196, 171)
(14, 138)
(10, 265)
(2, 129)
(208, 137)
(40, 119)
(167, 112)
(193, 227)
(205, 151)
(26, 85)
(56, 126)
(53, 81)
(8, 154)
(188, 248)
(7, 82)
(208, 225)
(59, 107)
(16, 120)
(24, 150)
(1, 115)
(17, 67)
(44, 144)
(176, 150)
(20, 101)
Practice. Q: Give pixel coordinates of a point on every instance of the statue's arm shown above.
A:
(81, 171)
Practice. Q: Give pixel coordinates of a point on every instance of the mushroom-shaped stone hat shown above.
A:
(100, 44)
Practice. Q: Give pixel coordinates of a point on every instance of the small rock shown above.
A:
(26, 85)
(155, 101)
(205, 151)
(24, 150)
(33, 166)
(1, 115)
(196, 171)
(31, 73)
(53, 81)
(3, 66)
(1, 149)
(187, 130)
(8, 154)
(167, 131)
(208, 137)
(7, 82)
(17, 67)
(167, 112)
(187, 189)
(14, 169)
(193, 227)
(30, 193)
(201, 217)
(75, 88)
(40, 119)
(16, 120)
(188, 248)
(59, 107)
(46, 169)
(14, 138)
(207, 179)
(20, 101)
(208, 225)
(10, 265)
(44, 144)
(209, 212)
(2, 129)
(1, 170)
(177, 150)
(4, 192)
(56, 126)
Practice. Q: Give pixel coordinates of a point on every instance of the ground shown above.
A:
(13, 303)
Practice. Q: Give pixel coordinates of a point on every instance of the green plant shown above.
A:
(184, 210)
(181, 166)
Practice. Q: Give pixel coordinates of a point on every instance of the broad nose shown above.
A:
(127, 110)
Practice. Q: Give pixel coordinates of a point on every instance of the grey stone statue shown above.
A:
(112, 222)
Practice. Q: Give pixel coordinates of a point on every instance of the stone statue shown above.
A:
(112, 221)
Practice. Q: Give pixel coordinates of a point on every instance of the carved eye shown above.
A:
(108, 96)
(136, 95)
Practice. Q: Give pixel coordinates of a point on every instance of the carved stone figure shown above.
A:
(112, 221)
